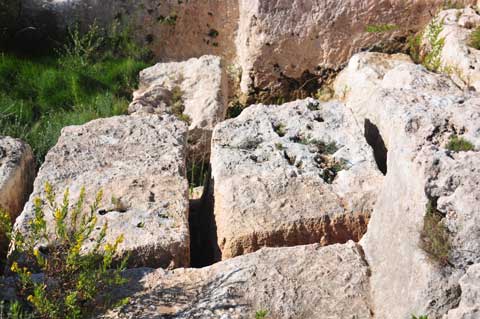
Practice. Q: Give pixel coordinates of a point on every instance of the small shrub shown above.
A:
(419, 317)
(474, 41)
(235, 109)
(177, 105)
(261, 314)
(459, 144)
(212, 33)
(434, 237)
(74, 283)
(381, 28)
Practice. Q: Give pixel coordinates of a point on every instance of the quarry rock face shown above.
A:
(291, 174)
(139, 163)
(195, 89)
(276, 46)
(417, 113)
(295, 282)
(17, 172)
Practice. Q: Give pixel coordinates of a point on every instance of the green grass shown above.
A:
(40, 96)
(261, 314)
(474, 41)
(459, 144)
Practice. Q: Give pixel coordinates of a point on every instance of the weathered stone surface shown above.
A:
(293, 174)
(457, 57)
(416, 113)
(276, 44)
(17, 172)
(283, 39)
(469, 307)
(139, 161)
(202, 84)
(295, 282)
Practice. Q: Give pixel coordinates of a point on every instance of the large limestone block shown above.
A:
(200, 85)
(416, 113)
(295, 282)
(279, 41)
(17, 172)
(140, 162)
(291, 174)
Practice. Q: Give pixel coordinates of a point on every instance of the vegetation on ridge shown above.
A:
(434, 237)
(459, 144)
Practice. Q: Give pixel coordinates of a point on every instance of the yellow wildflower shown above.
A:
(14, 267)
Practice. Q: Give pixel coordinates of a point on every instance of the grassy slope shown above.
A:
(38, 97)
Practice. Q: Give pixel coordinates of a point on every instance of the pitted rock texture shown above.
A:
(276, 44)
(17, 172)
(469, 307)
(201, 86)
(139, 161)
(291, 174)
(295, 282)
(457, 57)
(417, 112)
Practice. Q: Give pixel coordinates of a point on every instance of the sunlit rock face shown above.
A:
(277, 46)
(139, 164)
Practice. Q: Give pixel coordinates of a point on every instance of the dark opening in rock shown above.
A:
(203, 231)
(375, 140)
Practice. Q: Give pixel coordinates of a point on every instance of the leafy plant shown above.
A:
(261, 314)
(177, 105)
(432, 59)
(74, 282)
(434, 237)
(419, 317)
(459, 144)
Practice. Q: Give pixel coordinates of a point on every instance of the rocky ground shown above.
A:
(312, 208)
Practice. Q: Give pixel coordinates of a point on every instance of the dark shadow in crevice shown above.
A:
(375, 140)
(204, 250)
